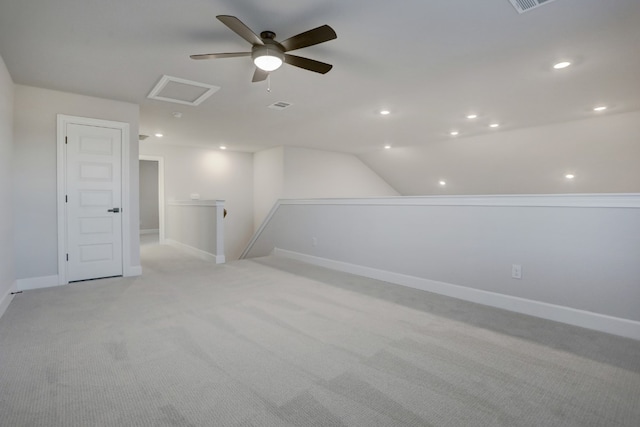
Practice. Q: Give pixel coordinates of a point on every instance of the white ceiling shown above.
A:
(429, 62)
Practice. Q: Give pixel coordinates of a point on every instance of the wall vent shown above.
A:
(181, 91)
(280, 105)
(523, 6)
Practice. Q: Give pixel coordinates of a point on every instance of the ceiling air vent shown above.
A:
(279, 105)
(526, 5)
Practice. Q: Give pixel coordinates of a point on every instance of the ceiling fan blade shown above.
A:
(220, 55)
(309, 38)
(240, 29)
(260, 75)
(307, 64)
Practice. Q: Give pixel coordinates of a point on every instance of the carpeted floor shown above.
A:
(273, 342)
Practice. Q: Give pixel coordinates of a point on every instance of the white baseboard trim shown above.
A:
(585, 319)
(134, 270)
(207, 256)
(37, 283)
(6, 299)
(150, 231)
(52, 281)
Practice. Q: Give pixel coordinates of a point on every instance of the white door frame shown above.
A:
(160, 161)
(63, 121)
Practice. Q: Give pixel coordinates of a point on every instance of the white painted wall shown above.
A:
(35, 172)
(268, 182)
(149, 209)
(603, 152)
(214, 175)
(585, 258)
(319, 174)
(292, 173)
(7, 262)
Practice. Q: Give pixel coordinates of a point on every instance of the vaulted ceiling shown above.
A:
(430, 63)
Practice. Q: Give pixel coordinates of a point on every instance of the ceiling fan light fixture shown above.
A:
(561, 65)
(268, 55)
(267, 58)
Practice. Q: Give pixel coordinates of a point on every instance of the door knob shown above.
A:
(114, 210)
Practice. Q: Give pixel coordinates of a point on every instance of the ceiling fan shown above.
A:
(268, 54)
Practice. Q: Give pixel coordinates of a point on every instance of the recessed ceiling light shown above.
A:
(385, 112)
(442, 183)
(472, 116)
(569, 176)
(600, 108)
(223, 147)
(159, 135)
(561, 65)
(387, 147)
(494, 125)
(454, 133)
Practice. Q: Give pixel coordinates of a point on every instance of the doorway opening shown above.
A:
(152, 229)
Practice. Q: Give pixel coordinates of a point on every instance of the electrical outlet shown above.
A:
(516, 271)
(314, 241)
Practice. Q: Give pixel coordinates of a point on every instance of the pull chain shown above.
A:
(269, 83)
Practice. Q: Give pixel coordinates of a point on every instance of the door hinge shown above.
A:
(67, 257)
(66, 199)
(65, 140)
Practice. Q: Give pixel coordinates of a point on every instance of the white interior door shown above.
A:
(93, 202)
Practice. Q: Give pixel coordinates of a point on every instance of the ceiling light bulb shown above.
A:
(569, 176)
(268, 63)
(385, 112)
(267, 58)
(387, 147)
(494, 125)
(561, 65)
(472, 116)
(223, 147)
(159, 135)
(443, 183)
(454, 133)
(600, 108)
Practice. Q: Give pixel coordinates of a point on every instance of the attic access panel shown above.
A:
(182, 91)
(526, 5)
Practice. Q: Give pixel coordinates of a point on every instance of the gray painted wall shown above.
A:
(585, 258)
(36, 109)
(149, 208)
(7, 263)
(194, 223)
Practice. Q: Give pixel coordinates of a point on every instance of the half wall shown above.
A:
(579, 254)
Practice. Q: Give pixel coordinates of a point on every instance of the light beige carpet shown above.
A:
(272, 342)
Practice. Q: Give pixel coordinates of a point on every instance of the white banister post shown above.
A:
(220, 258)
